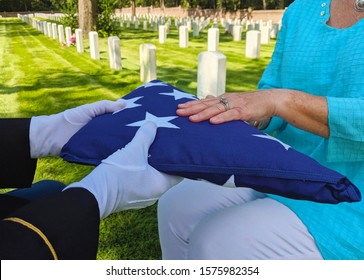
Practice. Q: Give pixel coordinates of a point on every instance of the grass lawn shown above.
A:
(39, 76)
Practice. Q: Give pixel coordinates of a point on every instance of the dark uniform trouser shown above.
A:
(61, 226)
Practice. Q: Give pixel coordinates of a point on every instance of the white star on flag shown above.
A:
(274, 139)
(159, 121)
(179, 94)
(130, 103)
(147, 85)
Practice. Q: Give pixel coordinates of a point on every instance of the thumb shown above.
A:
(84, 113)
(105, 106)
(145, 134)
(135, 154)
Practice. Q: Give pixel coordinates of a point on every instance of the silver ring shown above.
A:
(256, 123)
(224, 102)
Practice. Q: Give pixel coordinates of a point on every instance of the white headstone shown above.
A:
(237, 30)
(183, 36)
(189, 25)
(215, 24)
(230, 28)
(49, 29)
(162, 34)
(274, 31)
(114, 52)
(265, 35)
(54, 31)
(61, 33)
(37, 24)
(211, 77)
(94, 44)
(252, 48)
(68, 35)
(213, 39)
(196, 29)
(79, 40)
(148, 63)
(45, 29)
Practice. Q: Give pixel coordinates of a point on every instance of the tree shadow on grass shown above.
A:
(56, 91)
(15, 28)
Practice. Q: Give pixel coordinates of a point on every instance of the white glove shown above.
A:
(48, 134)
(125, 180)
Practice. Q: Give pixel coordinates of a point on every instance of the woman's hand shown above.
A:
(302, 110)
(252, 107)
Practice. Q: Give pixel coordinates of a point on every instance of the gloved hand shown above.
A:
(125, 180)
(48, 134)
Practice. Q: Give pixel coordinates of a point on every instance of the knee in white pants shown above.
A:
(262, 229)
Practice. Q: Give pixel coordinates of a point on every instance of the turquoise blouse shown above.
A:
(313, 57)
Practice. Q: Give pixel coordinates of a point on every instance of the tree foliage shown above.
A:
(107, 24)
(69, 9)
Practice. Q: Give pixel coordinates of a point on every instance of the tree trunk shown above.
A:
(133, 8)
(87, 12)
(264, 4)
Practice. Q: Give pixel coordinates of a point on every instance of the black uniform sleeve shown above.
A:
(16, 167)
(63, 226)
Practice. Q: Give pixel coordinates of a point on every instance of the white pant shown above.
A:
(199, 220)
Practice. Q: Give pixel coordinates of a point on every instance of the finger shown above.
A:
(194, 102)
(194, 107)
(106, 106)
(208, 113)
(226, 116)
(188, 103)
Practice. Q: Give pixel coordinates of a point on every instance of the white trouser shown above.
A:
(199, 220)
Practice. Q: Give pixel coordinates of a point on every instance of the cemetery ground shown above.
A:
(39, 76)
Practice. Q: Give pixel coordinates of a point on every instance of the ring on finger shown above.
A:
(224, 102)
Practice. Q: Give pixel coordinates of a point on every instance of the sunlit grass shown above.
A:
(39, 76)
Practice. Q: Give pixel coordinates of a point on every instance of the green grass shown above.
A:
(39, 76)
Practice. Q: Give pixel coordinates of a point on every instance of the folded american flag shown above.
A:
(209, 152)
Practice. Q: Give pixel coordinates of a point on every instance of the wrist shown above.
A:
(43, 138)
(263, 124)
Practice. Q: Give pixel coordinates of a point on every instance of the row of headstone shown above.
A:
(52, 17)
(50, 29)
(196, 23)
(211, 78)
(155, 20)
(58, 32)
(254, 38)
(266, 31)
(252, 49)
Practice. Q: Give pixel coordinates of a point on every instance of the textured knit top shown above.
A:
(315, 58)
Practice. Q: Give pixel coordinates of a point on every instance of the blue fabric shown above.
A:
(38, 190)
(206, 151)
(313, 57)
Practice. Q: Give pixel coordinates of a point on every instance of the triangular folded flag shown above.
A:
(209, 152)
